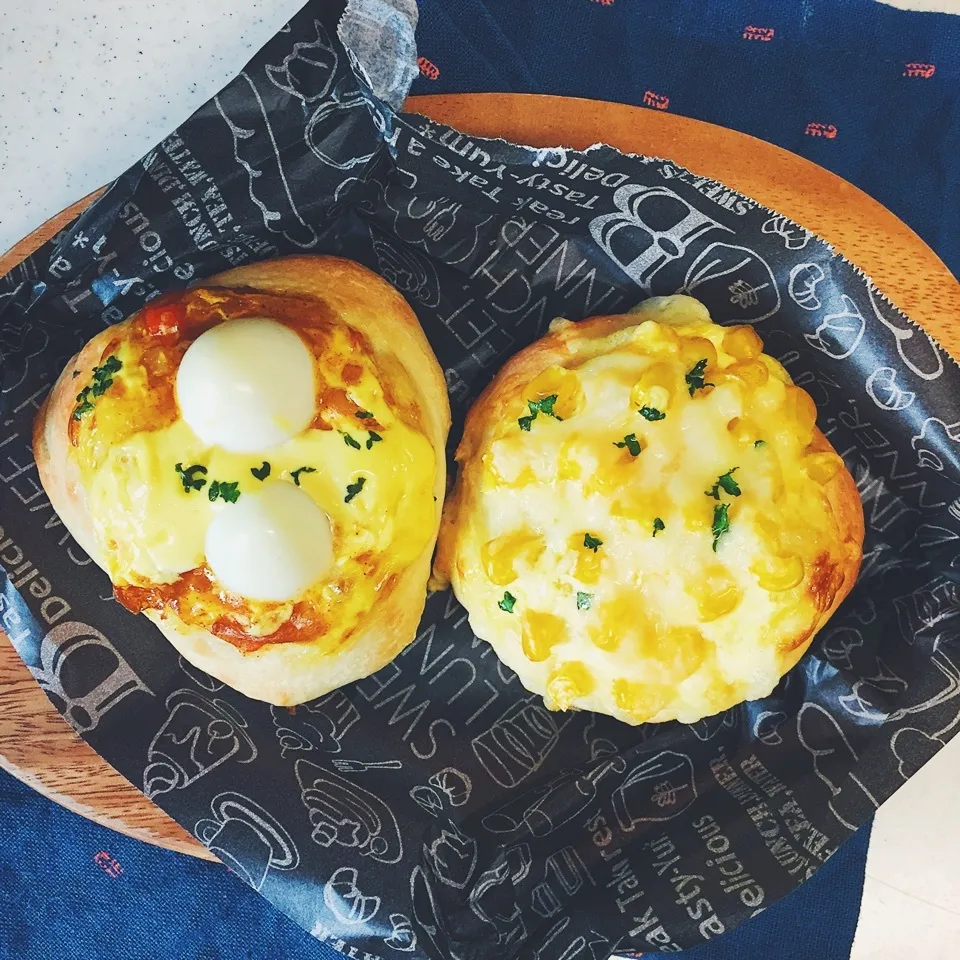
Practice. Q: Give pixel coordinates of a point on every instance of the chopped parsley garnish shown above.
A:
(759, 443)
(189, 478)
(584, 600)
(652, 414)
(363, 415)
(261, 472)
(721, 523)
(296, 473)
(98, 386)
(631, 442)
(694, 377)
(726, 483)
(506, 604)
(658, 525)
(228, 492)
(592, 543)
(354, 488)
(372, 438)
(350, 442)
(536, 407)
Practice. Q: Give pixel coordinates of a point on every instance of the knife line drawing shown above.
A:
(362, 766)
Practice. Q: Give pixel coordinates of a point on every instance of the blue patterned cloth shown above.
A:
(867, 91)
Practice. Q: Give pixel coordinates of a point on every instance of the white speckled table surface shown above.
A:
(65, 131)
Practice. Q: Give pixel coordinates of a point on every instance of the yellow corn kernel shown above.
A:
(799, 407)
(568, 464)
(716, 594)
(655, 388)
(588, 566)
(742, 343)
(617, 617)
(770, 396)
(743, 431)
(695, 349)
(541, 633)
(822, 467)
(654, 339)
(777, 369)
(566, 683)
(769, 530)
(751, 372)
(776, 573)
(639, 701)
(685, 648)
(562, 382)
(698, 516)
(499, 555)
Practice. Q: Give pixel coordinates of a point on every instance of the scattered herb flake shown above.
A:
(506, 604)
(354, 488)
(539, 406)
(658, 525)
(295, 474)
(98, 386)
(228, 492)
(631, 442)
(759, 443)
(721, 523)
(372, 438)
(349, 441)
(189, 478)
(584, 600)
(652, 414)
(694, 377)
(592, 543)
(726, 483)
(261, 472)
(363, 415)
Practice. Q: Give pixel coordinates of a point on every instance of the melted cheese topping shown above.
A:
(372, 477)
(646, 546)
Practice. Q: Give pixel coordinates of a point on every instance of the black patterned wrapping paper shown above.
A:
(436, 809)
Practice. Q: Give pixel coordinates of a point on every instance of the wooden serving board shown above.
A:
(37, 746)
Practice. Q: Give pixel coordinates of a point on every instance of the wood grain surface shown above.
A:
(37, 746)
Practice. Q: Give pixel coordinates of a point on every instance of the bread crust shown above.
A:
(284, 674)
(569, 344)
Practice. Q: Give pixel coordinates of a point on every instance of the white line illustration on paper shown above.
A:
(493, 898)
(198, 736)
(542, 811)
(833, 761)
(108, 678)
(344, 813)
(935, 435)
(641, 250)
(885, 392)
(734, 275)
(256, 150)
(448, 786)
(345, 899)
(247, 838)
(402, 936)
(916, 348)
(794, 237)
(308, 71)
(657, 789)
(451, 856)
(319, 725)
(839, 334)
(802, 285)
